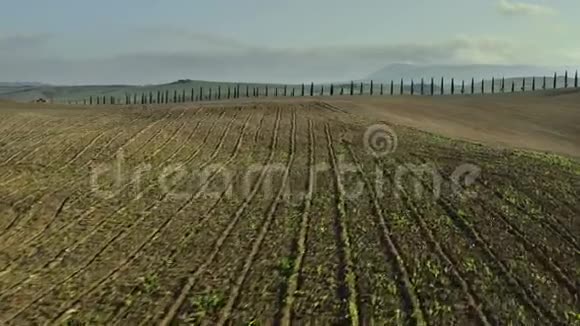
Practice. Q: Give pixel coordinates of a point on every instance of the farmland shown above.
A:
(279, 211)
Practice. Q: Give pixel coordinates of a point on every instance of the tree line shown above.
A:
(423, 88)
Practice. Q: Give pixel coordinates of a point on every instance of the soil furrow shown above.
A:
(346, 273)
(226, 313)
(176, 305)
(139, 250)
(124, 229)
(301, 247)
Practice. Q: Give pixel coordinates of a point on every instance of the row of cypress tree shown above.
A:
(233, 92)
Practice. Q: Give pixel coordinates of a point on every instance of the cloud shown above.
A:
(512, 8)
(15, 42)
(207, 40)
(264, 64)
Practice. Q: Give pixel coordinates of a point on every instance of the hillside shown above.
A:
(72, 93)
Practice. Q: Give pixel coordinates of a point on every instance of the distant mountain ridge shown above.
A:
(459, 72)
(22, 84)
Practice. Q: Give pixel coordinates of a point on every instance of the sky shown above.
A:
(154, 41)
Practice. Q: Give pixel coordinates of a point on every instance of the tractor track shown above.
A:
(123, 230)
(348, 291)
(176, 305)
(177, 248)
(524, 293)
(235, 292)
(110, 276)
(301, 246)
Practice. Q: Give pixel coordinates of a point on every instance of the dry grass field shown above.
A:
(278, 212)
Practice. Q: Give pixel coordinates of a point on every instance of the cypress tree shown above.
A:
(285, 90)
(341, 90)
(382, 90)
(321, 90)
(372, 87)
(150, 97)
(566, 79)
(392, 87)
(166, 96)
(98, 100)
(452, 86)
(533, 84)
(219, 92)
(201, 93)
(472, 86)
(544, 83)
(192, 94)
(361, 89)
(174, 96)
(483, 86)
(513, 86)
(422, 86)
(293, 91)
(229, 91)
(555, 80)
(183, 95)
(412, 87)
(462, 86)
(432, 86)
(351, 88)
(442, 86)
(91, 100)
(576, 79)
(276, 91)
(209, 94)
(523, 84)
(331, 89)
(502, 84)
(401, 90)
(247, 90)
(311, 89)
(302, 91)
(492, 85)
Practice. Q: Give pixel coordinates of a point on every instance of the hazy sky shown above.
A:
(148, 41)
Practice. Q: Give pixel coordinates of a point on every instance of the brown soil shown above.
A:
(276, 212)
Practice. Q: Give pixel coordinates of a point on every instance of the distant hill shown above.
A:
(459, 72)
(21, 84)
(26, 93)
